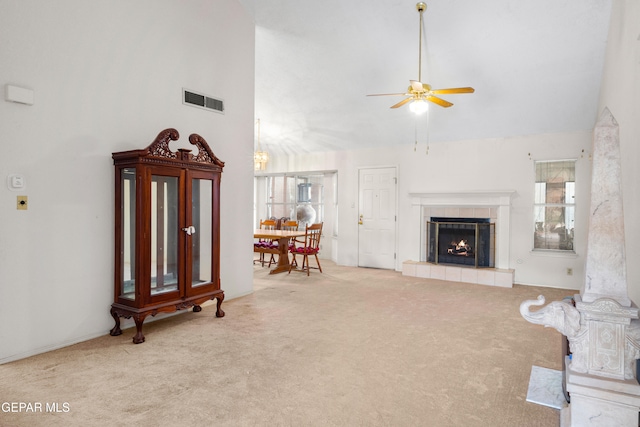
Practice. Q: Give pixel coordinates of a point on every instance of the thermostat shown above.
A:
(16, 182)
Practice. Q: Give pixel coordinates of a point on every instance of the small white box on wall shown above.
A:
(16, 182)
(18, 94)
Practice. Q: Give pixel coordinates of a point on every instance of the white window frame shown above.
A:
(540, 206)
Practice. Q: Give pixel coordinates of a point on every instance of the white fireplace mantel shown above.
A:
(497, 202)
(463, 198)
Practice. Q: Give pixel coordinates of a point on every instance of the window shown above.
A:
(554, 205)
(299, 197)
(281, 196)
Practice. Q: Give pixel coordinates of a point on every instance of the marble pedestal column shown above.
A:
(603, 327)
(601, 402)
(600, 376)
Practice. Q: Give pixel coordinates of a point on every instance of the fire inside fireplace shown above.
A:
(462, 241)
(461, 248)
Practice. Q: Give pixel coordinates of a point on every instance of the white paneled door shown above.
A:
(377, 218)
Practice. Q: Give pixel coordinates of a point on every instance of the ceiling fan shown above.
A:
(418, 93)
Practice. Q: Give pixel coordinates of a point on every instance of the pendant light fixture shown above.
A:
(260, 158)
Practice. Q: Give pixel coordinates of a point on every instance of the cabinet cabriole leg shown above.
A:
(115, 331)
(138, 338)
(219, 299)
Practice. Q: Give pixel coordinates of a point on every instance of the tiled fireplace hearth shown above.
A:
(494, 205)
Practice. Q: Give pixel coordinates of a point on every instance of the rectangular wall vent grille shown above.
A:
(195, 99)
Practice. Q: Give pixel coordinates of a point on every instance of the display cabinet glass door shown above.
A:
(165, 227)
(201, 239)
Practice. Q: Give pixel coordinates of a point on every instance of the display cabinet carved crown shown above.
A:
(167, 230)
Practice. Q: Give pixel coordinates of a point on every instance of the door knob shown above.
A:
(360, 220)
(189, 230)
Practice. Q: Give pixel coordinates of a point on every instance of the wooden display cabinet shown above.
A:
(167, 230)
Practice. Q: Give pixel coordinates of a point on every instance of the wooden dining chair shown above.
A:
(281, 221)
(290, 225)
(310, 245)
(266, 246)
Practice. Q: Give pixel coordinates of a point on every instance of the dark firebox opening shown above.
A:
(462, 241)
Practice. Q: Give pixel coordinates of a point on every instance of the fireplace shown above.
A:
(464, 204)
(495, 205)
(461, 241)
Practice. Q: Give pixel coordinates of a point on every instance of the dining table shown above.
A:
(282, 237)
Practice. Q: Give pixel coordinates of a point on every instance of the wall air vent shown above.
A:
(195, 99)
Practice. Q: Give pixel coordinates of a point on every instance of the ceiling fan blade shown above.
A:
(388, 94)
(439, 101)
(453, 90)
(401, 103)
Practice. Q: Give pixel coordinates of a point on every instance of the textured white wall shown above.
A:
(620, 92)
(107, 76)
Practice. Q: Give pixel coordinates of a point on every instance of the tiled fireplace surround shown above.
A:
(495, 205)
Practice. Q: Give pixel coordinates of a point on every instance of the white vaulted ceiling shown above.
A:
(536, 67)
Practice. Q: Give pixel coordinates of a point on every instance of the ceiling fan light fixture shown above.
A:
(419, 106)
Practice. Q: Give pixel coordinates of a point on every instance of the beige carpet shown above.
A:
(349, 347)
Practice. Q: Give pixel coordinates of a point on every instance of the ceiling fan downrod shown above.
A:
(421, 7)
